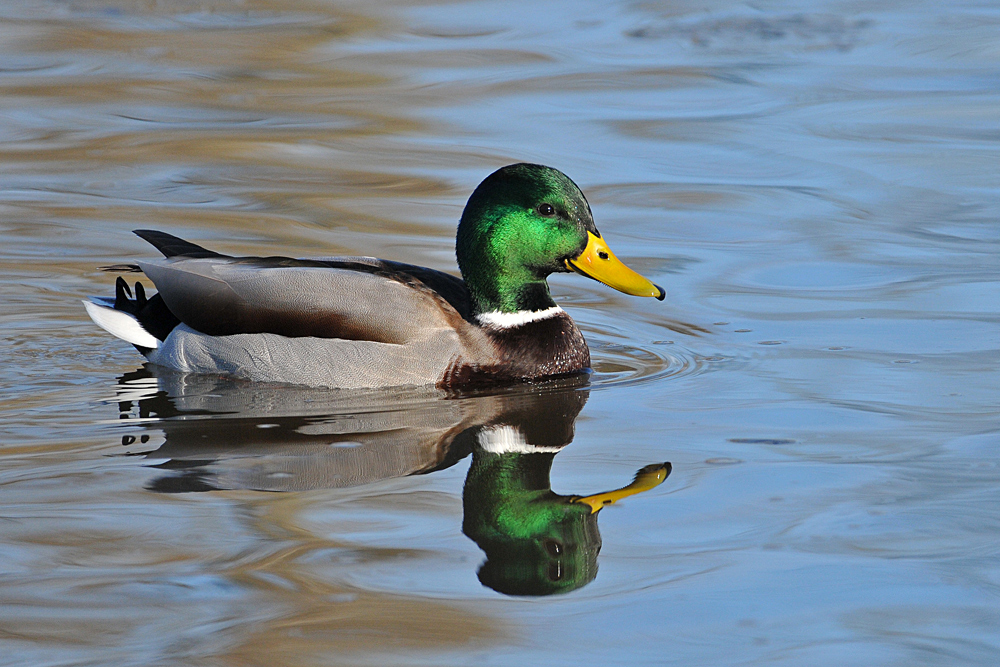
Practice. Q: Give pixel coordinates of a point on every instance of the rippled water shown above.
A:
(816, 186)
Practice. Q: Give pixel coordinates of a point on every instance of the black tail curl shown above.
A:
(152, 312)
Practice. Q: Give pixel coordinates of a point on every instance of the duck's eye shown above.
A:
(547, 210)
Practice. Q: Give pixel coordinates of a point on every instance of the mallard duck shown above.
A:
(354, 322)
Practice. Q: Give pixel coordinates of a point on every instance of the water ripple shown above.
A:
(617, 364)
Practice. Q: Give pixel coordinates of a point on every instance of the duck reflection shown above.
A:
(226, 434)
(537, 542)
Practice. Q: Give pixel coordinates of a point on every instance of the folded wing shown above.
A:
(360, 299)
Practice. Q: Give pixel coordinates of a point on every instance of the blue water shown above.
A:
(814, 184)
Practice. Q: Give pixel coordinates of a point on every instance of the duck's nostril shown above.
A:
(602, 255)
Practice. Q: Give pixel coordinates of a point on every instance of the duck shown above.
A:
(362, 322)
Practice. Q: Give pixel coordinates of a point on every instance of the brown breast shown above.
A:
(553, 346)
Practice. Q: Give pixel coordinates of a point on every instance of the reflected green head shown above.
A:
(536, 541)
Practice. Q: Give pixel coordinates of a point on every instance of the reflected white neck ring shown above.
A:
(506, 439)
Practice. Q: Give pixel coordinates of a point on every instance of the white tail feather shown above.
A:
(120, 324)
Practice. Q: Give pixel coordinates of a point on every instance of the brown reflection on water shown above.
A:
(245, 120)
(139, 589)
(324, 619)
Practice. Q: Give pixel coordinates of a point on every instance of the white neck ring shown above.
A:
(499, 320)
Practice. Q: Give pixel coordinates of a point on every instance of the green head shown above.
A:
(520, 225)
(524, 222)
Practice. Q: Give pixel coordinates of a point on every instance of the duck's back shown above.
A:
(346, 323)
(348, 298)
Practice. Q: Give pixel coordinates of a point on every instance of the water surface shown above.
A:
(814, 184)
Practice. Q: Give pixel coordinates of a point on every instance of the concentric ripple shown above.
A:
(623, 364)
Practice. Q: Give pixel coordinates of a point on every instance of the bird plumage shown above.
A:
(363, 322)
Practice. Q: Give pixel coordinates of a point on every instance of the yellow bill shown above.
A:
(598, 262)
(649, 477)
